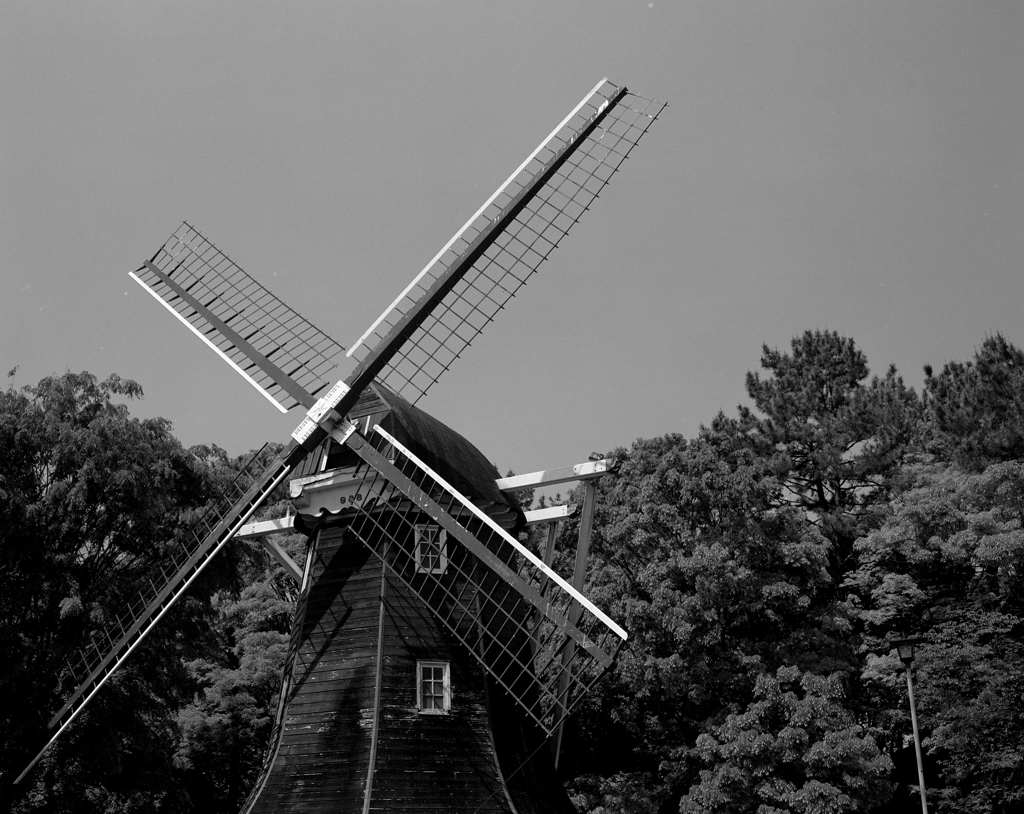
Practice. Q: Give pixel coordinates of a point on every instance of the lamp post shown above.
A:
(905, 647)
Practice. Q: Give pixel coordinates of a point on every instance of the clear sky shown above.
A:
(847, 166)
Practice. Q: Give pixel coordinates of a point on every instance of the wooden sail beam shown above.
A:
(461, 312)
(565, 474)
(445, 519)
(551, 514)
(579, 576)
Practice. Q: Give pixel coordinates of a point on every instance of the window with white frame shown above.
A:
(433, 687)
(431, 549)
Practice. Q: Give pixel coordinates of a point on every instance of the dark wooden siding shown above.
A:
(431, 763)
(323, 758)
(424, 763)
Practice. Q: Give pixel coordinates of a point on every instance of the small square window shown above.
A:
(433, 687)
(431, 549)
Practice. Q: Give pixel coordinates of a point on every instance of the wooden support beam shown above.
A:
(549, 548)
(549, 558)
(283, 525)
(579, 576)
(565, 474)
(286, 562)
(263, 530)
(550, 514)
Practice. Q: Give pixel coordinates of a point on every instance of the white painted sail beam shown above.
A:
(263, 530)
(281, 525)
(564, 474)
(550, 514)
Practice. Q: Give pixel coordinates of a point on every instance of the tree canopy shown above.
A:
(976, 408)
(762, 569)
(89, 498)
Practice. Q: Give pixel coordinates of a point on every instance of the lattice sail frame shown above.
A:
(610, 121)
(278, 351)
(542, 640)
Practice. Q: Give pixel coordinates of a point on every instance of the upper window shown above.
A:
(433, 687)
(431, 549)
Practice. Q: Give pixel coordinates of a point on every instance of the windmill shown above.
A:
(445, 641)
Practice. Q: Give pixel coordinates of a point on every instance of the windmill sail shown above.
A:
(89, 668)
(276, 350)
(535, 635)
(538, 637)
(493, 255)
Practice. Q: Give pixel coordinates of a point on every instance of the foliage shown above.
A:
(971, 680)
(948, 563)
(85, 495)
(715, 583)
(825, 497)
(841, 435)
(976, 408)
(89, 498)
(794, 749)
(621, 793)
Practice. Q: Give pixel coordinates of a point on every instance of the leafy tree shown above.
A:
(722, 556)
(976, 408)
(971, 680)
(716, 584)
(795, 748)
(226, 726)
(89, 499)
(840, 435)
(87, 494)
(948, 563)
(622, 793)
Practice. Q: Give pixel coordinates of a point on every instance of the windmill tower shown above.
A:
(432, 654)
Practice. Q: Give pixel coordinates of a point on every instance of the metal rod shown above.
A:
(917, 740)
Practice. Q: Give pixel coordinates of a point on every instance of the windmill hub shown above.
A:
(319, 412)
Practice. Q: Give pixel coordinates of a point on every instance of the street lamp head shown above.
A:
(905, 647)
